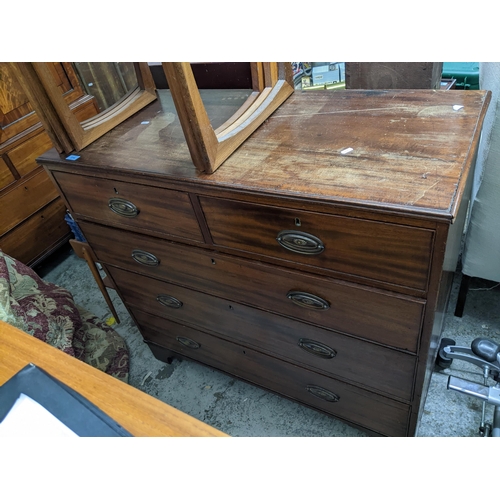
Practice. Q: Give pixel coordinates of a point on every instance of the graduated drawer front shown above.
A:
(381, 251)
(354, 404)
(387, 318)
(361, 362)
(165, 211)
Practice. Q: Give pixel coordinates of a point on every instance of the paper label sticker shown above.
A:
(345, 151)
(72, 157)
(144, 123)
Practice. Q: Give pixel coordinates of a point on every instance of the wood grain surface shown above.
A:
(137, 412)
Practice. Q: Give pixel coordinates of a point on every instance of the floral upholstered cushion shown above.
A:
(49, 313)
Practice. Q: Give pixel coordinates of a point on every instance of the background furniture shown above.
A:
(32, 223)
(393, 75)
(82, 249)
(481, 252)
(49, 313)
(137, 412)
(315, 262)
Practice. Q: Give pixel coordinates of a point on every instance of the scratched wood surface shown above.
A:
(411, 149)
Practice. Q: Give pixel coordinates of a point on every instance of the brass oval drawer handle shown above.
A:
(308, 300)
(317, 348)
(169, 301)
(324, 394)
(122, 207)
(299, 242)
(192, 344)
(145, 258)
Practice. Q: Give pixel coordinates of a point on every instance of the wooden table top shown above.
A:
(136, 411)
(411, 150)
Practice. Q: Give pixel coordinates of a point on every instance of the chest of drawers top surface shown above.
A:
(411, 150)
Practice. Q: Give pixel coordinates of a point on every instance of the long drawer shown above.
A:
(338, 398)
(133, 206)
(384, 252)
(387, 318)
(321, 350)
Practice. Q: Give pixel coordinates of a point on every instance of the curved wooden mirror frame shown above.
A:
(272, 84)
(81, 134)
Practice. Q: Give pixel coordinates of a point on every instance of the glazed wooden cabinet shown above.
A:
(315, 262)
(32, 213)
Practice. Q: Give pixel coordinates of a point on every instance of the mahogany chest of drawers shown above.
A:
(312, 271)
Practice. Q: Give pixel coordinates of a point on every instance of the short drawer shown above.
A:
(38, 234)
(364, 363)
(333, 396)
(6, 176)
(384, 252)
(130, 205)
(24, 156)
(388, 318)
(25, 198)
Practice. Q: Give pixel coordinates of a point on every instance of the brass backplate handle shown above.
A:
(123, 207)
(169, 301)
(186, 342)
(299, 242)
(317, 348)
(308, 300)
(322, 393)
(145, 258)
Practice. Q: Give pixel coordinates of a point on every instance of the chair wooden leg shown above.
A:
(462, 294)
(83, 250)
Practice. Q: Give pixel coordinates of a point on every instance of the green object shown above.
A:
(466, 74)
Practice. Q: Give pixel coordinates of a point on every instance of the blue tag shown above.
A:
(72, 157)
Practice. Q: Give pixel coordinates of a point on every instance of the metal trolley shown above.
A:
(485, 354)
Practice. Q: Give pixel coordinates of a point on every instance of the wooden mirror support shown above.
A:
(41, 86)
(272, 84)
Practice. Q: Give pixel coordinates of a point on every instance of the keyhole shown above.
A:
(116, 191)
(230, 308)
(297, 221)
(213, 262)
